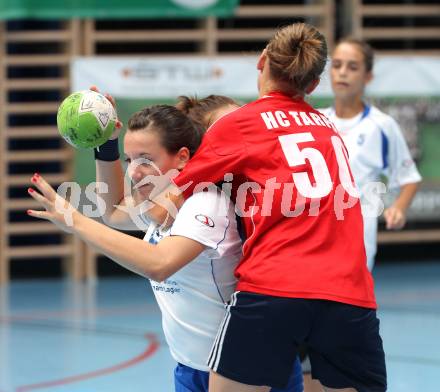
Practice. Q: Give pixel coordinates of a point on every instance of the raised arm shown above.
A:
(115, 200)
(156, 262)
(110, 172)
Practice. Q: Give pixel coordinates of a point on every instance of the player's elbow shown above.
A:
(160, 271)
(158, 276)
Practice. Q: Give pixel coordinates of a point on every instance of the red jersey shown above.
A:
(300, 208)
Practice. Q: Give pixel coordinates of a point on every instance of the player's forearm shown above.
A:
(130, 252)
(112, 175)
(406, 195)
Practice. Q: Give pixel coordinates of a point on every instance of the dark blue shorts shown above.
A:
(187, 379)
(259, 338)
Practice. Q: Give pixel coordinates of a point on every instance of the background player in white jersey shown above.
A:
(191, 297)
(375, 145)
(373, 139)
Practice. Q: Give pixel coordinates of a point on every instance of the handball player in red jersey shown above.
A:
(303, 277)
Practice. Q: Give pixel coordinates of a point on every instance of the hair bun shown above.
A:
(297, 55)
(185, 103)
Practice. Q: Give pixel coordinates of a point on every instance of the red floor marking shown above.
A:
(151, 349)
(36, 315)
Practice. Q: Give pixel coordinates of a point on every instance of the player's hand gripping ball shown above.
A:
(86, 119)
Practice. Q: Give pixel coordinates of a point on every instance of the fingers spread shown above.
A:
(39, 198)
(38, 214)
(44, 187)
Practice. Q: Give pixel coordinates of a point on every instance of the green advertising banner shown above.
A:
(115, 9)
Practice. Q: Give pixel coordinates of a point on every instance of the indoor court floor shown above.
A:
(62, 337)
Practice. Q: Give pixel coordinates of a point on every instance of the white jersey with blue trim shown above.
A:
(192, 301)
(375, 147)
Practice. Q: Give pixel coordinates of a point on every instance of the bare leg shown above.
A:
(218, 383)
(311, 385)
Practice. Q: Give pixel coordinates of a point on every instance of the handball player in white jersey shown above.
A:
(373, 139)
(191, 262)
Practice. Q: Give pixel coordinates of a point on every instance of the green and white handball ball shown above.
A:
(86, 119)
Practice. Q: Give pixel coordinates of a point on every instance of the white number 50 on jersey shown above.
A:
(323, 182)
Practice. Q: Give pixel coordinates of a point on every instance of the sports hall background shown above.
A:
(39, 41)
